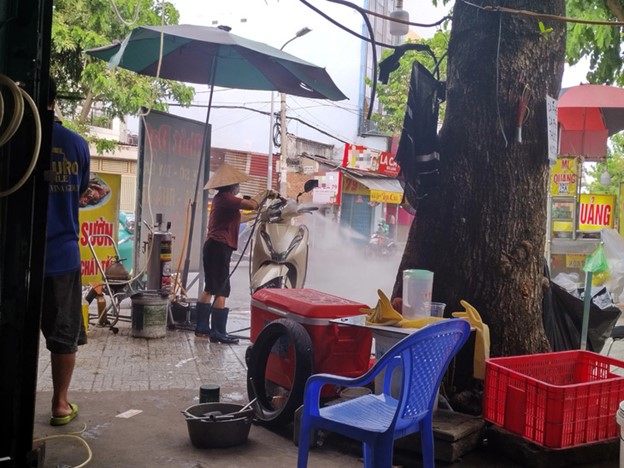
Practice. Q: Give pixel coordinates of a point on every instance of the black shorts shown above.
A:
(61, 314)
(216, 259)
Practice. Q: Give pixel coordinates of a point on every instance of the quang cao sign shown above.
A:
(596, 211)
(328, 190)
(370, 160)
(563, 177)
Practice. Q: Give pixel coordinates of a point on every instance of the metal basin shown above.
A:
(218, 425)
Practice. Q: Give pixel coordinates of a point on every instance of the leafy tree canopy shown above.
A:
(393, 95)
(614, 165)
(600, 44)
(79, 25)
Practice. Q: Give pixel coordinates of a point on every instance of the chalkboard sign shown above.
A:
(169, 161)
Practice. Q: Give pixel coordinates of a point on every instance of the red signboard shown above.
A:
(370, 160)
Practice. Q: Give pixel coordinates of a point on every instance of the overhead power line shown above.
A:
(267, 114)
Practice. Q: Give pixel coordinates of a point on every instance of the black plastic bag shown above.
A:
(563, 320)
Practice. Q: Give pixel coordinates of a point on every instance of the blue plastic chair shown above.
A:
(377, 420)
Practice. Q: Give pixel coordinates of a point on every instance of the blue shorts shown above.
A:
(61, 315)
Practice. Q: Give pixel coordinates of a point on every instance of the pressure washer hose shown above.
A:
(19, 96)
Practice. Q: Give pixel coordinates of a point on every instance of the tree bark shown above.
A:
(616, 8)
(482, 231)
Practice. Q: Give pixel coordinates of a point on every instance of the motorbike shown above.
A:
(380, 243)
(279, 248)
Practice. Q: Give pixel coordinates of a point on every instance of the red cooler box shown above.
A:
(338, 349)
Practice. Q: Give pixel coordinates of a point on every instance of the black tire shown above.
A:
(265, 412)
(248, 356)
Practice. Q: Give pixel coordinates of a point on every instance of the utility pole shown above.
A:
(283, 155)
(284, 149)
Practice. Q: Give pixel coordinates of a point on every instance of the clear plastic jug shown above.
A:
(417, 287)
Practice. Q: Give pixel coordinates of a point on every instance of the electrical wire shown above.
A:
(160, 55)
(370, 39)
(498, 113)
(533, 14)
(343, 27)
(73, 437)
(267, 113)
(24, 96)
(318, 124)
(397, 20)
(183, 249)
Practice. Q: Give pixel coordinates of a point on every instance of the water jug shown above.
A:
(417, 286)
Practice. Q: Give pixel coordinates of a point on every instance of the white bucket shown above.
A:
(619, 417)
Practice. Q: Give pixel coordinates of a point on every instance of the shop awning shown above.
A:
(382, 189)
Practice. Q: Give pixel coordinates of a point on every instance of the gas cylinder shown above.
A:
(159, 263)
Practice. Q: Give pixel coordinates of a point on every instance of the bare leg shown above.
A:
(219, 302)
(205, 297)
(62, 370)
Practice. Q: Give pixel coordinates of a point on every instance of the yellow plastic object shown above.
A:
(85, 315)
(419, 323)
(482, 339)
(383, 313)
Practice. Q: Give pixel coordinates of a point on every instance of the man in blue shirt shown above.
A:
(61, 318)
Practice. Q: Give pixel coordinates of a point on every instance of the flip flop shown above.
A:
(62, 420)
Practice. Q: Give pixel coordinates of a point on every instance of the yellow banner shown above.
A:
(596, 211)
(353, 187)
(563, 177)
(385, 197)
(99, 215)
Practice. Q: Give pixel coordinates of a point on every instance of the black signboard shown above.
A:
(169, 155)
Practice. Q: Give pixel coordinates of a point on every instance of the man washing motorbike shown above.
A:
(221, 241)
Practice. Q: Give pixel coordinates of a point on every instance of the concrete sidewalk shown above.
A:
(160, 377)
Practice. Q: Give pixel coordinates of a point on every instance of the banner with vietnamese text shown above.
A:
(371, 160)
(596, 211)
(99, 215)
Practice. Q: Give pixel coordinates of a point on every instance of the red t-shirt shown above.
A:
(225, 219)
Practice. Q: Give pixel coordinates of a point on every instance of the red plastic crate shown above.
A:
(556, 400)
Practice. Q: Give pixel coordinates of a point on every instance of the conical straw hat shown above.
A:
(224, 176)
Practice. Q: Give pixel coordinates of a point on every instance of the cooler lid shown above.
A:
(308, 302)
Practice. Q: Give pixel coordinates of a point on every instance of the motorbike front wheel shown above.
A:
(278, 366)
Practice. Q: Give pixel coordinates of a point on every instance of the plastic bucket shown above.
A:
(619, 417)
(417, 286)
(149, 314)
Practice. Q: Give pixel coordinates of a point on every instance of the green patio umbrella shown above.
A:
(216, 57)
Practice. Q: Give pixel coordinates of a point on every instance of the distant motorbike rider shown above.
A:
(221, 241)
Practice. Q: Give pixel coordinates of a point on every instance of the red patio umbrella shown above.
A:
(588, 115)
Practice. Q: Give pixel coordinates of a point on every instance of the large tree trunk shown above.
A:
(483, 230)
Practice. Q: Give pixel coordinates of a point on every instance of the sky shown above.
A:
(274, 22)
